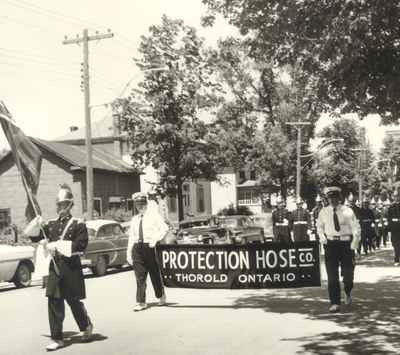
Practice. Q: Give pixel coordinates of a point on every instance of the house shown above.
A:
(107, 137)
(65, 163)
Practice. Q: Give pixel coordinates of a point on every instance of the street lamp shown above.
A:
(319, 148)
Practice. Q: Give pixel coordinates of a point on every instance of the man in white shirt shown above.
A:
(147, 228)
(339, 232)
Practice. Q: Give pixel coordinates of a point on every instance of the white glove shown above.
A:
(129, 259)
(308, 232)
(354, 245)
(286, 221)
(33, 227)
(323, 240)
(372, 224)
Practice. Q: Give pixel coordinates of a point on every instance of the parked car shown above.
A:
(16, 264)
(242, 228)
(197, 230)
(264, 221)
(107, 246)
(205, 235)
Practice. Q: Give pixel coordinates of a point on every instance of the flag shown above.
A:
(27, 157)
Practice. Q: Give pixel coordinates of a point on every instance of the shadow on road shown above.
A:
(71, 338)
(371, 326)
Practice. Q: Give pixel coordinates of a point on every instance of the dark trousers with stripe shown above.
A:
(339, 254)
(56, 309)
(145, 262)
(396, 247)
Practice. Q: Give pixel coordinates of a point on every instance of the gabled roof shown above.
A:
(76, 156)
(100, 129)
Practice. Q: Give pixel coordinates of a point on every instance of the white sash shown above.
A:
(43, 257)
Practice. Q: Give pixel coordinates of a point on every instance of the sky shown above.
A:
(40, 77)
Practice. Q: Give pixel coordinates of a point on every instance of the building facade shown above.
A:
(63, 163)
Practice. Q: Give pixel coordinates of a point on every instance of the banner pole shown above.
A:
(27, 189)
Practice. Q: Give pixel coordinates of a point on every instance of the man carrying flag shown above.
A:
(63, 238)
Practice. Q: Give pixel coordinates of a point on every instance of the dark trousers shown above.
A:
(300, 233)
(396, 247)
(364, 242)
(56, 308)
(282, 234)
(339, 254)
(145, 262)
(379, 236)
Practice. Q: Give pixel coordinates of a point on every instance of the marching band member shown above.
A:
(301, 222)
(281, 222)
(394, 226)
(66, 238)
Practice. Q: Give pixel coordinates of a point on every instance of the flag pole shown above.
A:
(27, 189)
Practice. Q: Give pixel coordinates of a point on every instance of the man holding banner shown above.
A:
(147, 228)
(339, 232)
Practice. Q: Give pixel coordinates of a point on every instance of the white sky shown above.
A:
(40, 77)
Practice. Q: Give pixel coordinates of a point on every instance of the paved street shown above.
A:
(274, 322)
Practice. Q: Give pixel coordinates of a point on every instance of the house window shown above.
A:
(200, 198)
(98, 205)
(248, 197)
(5, 218)
(242, 175)
(252, 175)
(172, 204)
(186, 195)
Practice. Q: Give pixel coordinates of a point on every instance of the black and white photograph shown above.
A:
(200, 177)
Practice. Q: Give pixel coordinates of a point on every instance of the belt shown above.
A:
(281, 224)
(367, 220)
(140, 244)
(343, 238)
(300, 222)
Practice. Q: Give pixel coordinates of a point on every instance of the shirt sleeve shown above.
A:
(321, 226)
(355, 227)
(162, 228)
(131, 238)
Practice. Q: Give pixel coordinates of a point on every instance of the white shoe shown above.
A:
(55, 345)
(140, 307)
(396, 264)
(87, 334)
(348, 300)
(334, 308)
(162, 300)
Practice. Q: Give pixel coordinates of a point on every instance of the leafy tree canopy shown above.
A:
(349, 50)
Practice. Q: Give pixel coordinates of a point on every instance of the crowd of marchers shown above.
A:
(379, 222)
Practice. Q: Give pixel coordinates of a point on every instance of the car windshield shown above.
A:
(231, 222)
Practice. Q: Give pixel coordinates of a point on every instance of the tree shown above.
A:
(388, 165)
(349, 50)
(162, 116)
(339, 164)
(257, 104)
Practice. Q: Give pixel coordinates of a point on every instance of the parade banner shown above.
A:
(266, 265)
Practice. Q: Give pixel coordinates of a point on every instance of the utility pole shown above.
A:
(299, 126)
(86, 88)
(361, 151)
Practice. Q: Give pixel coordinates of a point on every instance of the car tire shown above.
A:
(23, 276)
(100, 268)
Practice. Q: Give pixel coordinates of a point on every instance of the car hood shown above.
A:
(16, 252)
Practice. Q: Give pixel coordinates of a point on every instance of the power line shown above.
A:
(25, 5)
(35, 55)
